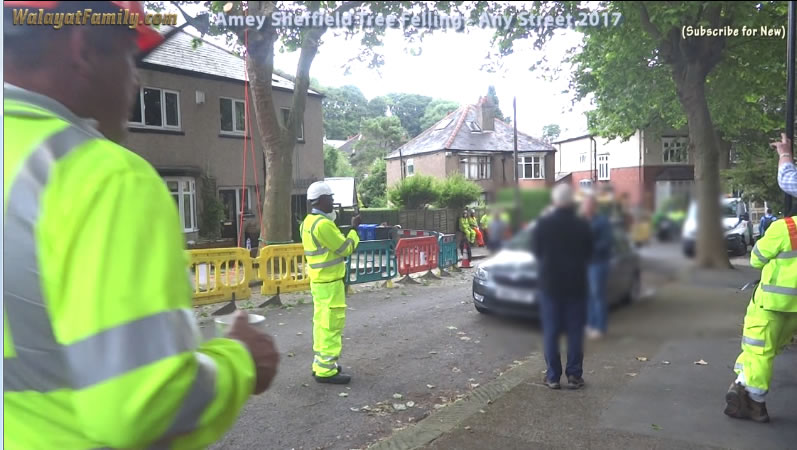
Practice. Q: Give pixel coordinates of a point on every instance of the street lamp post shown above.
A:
(790, 88)
(517, 164)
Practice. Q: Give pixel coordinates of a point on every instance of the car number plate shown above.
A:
(515, 295)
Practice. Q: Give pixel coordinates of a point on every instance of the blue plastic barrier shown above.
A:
(372, 261)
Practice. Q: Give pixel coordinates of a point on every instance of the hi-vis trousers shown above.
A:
(766, 333)
(329, 317)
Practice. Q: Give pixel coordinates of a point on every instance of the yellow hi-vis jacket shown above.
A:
(101, 347)
(776, 255)
(326, 249)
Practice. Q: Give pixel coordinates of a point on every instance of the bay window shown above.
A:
(183, 190)
(476, 167)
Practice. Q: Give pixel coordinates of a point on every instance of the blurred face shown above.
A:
(588, 208)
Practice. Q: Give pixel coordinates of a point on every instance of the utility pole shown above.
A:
(790, 89)
(516, 221)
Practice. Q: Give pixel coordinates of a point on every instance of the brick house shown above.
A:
(649, 167)
(188, 122)
(471, 142)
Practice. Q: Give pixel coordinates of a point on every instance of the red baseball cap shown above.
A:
(147, 37)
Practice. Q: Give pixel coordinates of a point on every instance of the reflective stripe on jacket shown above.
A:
(101, 347)
(326, 249)
(776, 255)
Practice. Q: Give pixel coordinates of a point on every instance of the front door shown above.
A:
(229, 227)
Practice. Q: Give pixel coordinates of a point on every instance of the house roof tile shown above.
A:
(450, 134)
(208, 59)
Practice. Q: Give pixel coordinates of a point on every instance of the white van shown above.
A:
(735, 222)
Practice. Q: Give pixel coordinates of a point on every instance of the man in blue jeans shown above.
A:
(562, 245)
(598, 271)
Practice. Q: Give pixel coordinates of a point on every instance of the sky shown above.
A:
(449, 68)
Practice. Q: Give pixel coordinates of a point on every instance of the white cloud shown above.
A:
(449, 67)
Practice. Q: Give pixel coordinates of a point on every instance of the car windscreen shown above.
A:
(521, 241)
(729, 208)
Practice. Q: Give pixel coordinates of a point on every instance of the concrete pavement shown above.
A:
(644, 389)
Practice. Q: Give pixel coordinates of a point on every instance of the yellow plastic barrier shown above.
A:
(218, 273)
(282, 269)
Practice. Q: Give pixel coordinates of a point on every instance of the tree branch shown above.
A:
(647, 25)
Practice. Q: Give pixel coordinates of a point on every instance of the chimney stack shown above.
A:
(485, 114)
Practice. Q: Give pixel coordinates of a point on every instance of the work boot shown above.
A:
(736, 402)
(339, 378)
(758, 411)
(739, 405)
(574, 382)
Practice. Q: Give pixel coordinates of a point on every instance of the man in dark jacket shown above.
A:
(562, 245)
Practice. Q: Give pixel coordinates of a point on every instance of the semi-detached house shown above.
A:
(470, 141)
(188, 122)
(649, 167)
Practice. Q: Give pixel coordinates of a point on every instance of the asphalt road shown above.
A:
(424, 343)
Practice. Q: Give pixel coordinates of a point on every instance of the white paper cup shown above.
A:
(224, 323)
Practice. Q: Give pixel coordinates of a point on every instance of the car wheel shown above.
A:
(689, 253)
(481, 309)
(635, 292)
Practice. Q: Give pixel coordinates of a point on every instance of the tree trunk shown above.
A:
(711, 249)
(724, 153)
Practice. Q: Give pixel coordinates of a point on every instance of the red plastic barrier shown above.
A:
(416, 254)
(415, 233)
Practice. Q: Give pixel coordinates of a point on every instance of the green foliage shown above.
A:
(336, 164)
(456, 192)
(380, 136)
(415, 192)
(409, 108)
(551, 132)
(532, 202)
(373, 188)
(755, 173)
(377, 106)
(343, 108)
(494, 99)
(435, 111)
(212, 210)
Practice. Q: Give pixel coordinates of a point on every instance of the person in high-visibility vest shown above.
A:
(484, 224)
(101, 347)
(474, 224)
(770, 321)
(466, 227)
(326, 249)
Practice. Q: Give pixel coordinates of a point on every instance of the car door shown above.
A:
(621, 270)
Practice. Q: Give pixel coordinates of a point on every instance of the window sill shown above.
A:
(191, 231)
(532, 179)
(234, 136)
(175, 132)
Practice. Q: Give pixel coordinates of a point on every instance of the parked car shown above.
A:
(736, 224)
(507, 282)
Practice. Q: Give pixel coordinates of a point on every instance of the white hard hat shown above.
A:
(318, 189)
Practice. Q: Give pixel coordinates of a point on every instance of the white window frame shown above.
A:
(301, 125)
(181, 193)
(582, 159)
(163, 125)
(410, 167)
(478, 167)
(531, 161)
(669, 149)
(235, 129)
(603, 167)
